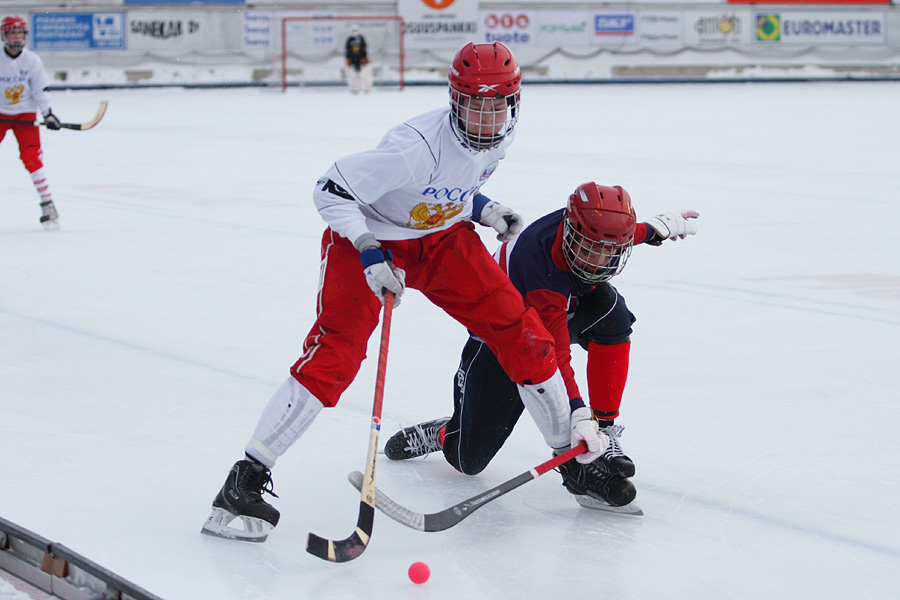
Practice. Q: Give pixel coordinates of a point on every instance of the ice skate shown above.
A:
(616, 460)
(241, 498)
(49, 216)
(597, 488)
(418, 440)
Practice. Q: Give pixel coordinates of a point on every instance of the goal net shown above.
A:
(312, 49)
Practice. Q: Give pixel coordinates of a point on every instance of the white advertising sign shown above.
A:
(659, 28)
(438, 23)
(513, 28)
(181, 31)
(557, 29)
(718, 27)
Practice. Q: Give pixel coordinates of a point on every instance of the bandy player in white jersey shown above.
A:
(24, 83)
(402, 215)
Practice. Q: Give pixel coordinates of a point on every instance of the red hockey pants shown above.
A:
(454, 271)
(29, 138)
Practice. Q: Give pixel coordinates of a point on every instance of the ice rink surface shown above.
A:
(141, 341)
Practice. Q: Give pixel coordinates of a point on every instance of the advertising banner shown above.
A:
(513, 28)
(718, 28)
(161, 30)
(820, 28)
(659, 28)
(78, 31)
(562, 28)
(447, 24)
(614, 28)
(849, 2)
(256, 29)
(182, 2)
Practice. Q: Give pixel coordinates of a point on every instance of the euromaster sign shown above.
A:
(820, 28)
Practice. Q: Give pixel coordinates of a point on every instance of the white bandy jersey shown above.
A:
(418, 180)
(22, 84)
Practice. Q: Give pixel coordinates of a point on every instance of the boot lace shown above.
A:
(613, 432)
(422, 440)
(255, 483)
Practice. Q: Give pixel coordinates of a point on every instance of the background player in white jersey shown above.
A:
(24, 83)
(561, 264)
(402, 215)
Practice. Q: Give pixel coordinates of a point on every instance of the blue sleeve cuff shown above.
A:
(478, 203)
(372, 256)
(575, 404)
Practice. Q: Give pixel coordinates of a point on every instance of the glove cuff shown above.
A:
(478, 204)
(366, 240)
(373, 256)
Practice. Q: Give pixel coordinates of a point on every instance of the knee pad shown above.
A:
(601, 317)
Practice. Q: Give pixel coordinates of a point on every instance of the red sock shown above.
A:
(607, 373)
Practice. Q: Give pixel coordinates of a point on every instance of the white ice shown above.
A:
(141, 341)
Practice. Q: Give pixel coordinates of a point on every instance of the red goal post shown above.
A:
(317, 38)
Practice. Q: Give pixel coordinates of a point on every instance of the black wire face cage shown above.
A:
(15, 47)
(593, 261)
(482, 123)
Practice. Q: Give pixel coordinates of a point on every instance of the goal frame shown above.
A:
(284, 51)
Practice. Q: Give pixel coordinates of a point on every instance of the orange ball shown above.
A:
(419, 572)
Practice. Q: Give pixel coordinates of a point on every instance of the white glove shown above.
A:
(381, 274)
(503, 219)
(585, 429)
(672, 226)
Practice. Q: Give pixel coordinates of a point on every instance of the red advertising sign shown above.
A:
(833, 2)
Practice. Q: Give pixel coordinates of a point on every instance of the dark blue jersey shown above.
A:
(537, 268)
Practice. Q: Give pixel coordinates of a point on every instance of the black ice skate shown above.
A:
(616, 460)
(49, 216)
(241, 498)
(594, 486)
(418, 440)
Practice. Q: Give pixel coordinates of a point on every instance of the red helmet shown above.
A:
(10, 24)
(598, 231)
(488, 70)
(485, 80)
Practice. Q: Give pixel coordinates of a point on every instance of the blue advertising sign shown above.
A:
(78, 31)
(614, 24)
(144, 2)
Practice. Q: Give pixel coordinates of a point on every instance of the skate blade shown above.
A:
(592, 503)
(51, 225)
(218, 525)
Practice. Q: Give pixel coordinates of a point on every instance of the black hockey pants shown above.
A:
(486, 403)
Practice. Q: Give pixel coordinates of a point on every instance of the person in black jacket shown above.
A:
(359, 71)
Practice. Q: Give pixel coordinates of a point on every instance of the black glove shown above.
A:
(51, 122)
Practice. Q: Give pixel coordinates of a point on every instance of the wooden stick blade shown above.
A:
(347, 549)
(91, 123)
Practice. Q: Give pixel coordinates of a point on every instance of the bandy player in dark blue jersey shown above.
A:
(561, 264)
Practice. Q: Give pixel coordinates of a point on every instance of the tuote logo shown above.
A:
(768, 27)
